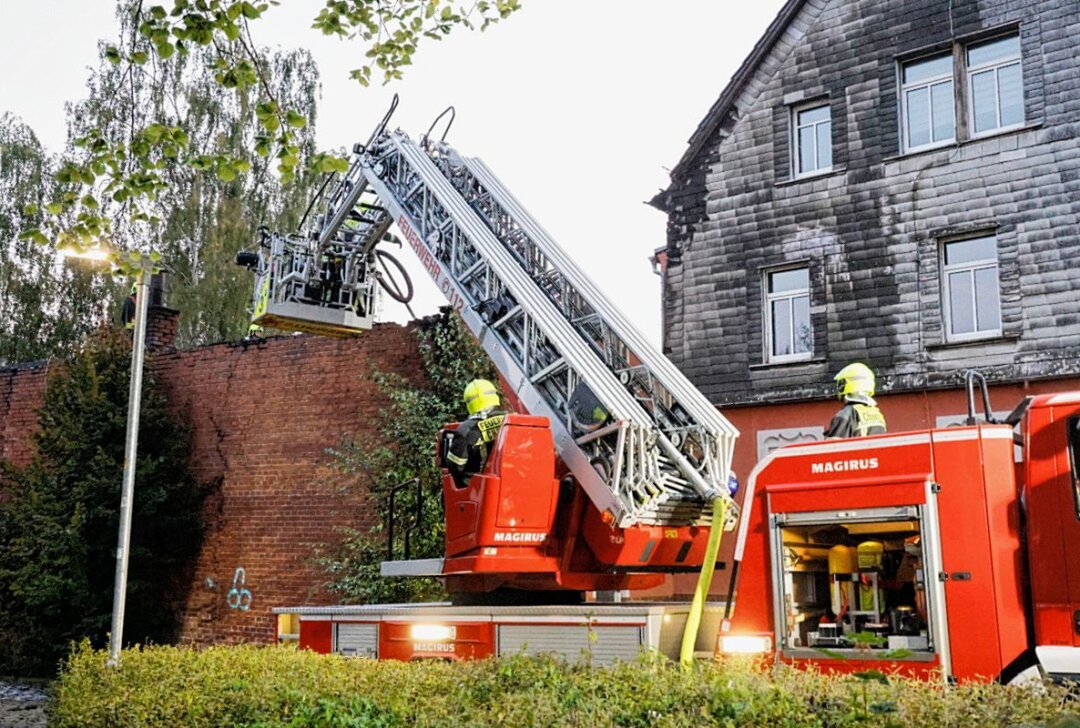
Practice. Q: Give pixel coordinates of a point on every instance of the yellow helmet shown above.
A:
(480, 395)
(855, 378)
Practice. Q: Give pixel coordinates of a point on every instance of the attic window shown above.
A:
(926, 100)
(812, 140)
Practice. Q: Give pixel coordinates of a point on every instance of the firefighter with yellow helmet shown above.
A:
(860, 415)
(471, 443)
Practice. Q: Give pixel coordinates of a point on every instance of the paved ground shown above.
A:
(21, 706)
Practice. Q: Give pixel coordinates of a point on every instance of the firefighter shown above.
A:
(470, 445)
(127, 310)
(860, 415)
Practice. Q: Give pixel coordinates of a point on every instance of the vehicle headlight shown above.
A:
(744, 644)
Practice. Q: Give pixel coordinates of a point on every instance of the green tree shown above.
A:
(401, 450)
(205, 213)
(44, 307)
(59, 515)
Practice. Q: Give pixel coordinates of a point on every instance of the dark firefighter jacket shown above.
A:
(471, 444)
(857, 419)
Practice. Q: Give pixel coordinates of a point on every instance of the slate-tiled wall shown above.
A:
(870, 231)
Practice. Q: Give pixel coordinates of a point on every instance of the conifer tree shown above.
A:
(59, 515)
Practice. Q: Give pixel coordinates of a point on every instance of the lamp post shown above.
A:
(131, 445)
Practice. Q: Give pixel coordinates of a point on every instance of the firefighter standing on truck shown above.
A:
(471, 443)
(860, 415)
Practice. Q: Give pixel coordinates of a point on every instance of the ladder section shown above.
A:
(677, 408)
(604, 429)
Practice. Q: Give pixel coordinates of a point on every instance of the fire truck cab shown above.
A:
(949, 551)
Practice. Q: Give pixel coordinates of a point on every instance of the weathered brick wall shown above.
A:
(261, 416)
(870, 230)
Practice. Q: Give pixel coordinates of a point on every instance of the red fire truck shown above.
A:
(945, 551)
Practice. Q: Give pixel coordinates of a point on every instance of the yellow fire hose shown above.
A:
(697, 607)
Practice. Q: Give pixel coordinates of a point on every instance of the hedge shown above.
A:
(274, 686)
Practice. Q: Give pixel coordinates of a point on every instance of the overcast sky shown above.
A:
(580, 107)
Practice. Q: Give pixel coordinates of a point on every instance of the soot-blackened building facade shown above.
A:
(890, 182)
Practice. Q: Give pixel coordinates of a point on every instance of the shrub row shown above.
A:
(270, 686)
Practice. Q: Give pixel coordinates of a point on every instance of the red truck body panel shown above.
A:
(1053, 519)
(508, 526)
(960, 482)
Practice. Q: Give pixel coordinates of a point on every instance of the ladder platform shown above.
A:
(312, 319)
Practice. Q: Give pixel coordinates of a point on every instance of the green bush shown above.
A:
(403, 449)
(270, 686)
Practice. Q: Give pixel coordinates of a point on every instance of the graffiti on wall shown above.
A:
(239, 596)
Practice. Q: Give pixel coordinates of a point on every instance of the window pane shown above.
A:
(928, 68)
(988, 305)
(994, 50)
(1011, 95)
(789, 280)
(824, 145)
(944, 117)
(918, 116)
(811, 116)
(983, 101)
(781, 328)
(961, 310)
(804, 335)
(967, 251)
(806, 149)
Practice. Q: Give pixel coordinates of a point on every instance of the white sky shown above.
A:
(578, 106)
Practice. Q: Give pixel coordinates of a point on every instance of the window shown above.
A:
(851, 584)
(926, 101)
(995, 85)
(986, 79)
(787, 314)
(813, 140)
(970, 288)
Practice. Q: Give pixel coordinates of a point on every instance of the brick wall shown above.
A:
(261, 416)
(21, 390)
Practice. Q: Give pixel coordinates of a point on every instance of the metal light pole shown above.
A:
(127, 493)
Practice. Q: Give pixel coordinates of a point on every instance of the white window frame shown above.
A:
(928, 83)
(969, 267)
(796, 158)
(995, 66)
(768, 300)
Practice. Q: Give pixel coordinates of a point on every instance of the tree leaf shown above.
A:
(225, 171)
(295, 119)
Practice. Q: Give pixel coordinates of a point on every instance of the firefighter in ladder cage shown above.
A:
(471, 442)
(860, 415)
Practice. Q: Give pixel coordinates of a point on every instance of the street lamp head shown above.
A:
(102, 255)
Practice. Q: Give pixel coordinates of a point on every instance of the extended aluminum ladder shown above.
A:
(645, 444)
